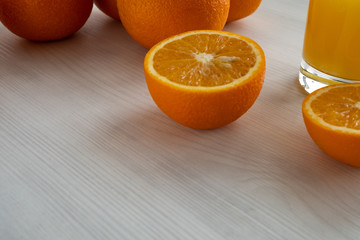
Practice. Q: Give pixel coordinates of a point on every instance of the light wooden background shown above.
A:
(86, 154)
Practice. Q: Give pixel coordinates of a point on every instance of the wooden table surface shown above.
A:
(86, 154)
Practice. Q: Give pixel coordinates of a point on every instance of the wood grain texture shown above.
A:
(86, 154)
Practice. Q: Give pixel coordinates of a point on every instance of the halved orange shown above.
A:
(205, 79)
(332, 118)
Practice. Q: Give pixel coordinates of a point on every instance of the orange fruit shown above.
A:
(242, 8)
(332, 118)
(205, 79)
(109, 7)
(150, 21)
(44, 20)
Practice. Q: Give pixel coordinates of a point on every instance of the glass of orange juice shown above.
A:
(331, 52)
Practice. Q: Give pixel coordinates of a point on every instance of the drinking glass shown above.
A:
(331, 51)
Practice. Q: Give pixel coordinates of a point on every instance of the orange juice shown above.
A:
(332, 38)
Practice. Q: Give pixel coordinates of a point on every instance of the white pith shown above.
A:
(357, 105)
(204, 58)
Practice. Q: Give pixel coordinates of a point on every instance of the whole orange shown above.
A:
(242, 8)
(150, 21)
(109, 7)
(44, 20)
